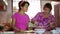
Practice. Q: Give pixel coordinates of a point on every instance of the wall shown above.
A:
(57, 13)
(43, 3)
(34, 8)
(5, 16)
(46, 0)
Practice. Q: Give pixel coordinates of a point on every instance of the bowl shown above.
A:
(40, 31)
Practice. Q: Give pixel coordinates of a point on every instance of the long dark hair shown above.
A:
(22, 4)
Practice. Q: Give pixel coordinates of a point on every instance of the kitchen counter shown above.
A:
(9, 32)
(57, 31)
(26, 32)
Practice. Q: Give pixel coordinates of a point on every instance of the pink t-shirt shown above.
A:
(21, 21)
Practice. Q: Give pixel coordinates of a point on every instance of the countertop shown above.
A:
(57, 31)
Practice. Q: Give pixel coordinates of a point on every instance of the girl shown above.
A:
(20, 19)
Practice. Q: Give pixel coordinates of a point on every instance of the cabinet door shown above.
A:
(56, 13)
(59, 13)
(3, 6)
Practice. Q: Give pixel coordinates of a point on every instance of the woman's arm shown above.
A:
(53, 23)
(34, 20)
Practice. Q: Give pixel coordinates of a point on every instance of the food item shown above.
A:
(29, 31)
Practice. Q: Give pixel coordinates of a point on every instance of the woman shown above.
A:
(20, 19)
(45, 19)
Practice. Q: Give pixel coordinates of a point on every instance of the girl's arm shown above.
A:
(13, 25)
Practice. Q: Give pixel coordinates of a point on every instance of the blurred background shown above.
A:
(5, 13)
(37, 6)
(9, 7)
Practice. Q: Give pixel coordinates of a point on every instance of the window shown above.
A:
(33, 9)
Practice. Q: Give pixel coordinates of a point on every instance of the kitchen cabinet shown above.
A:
(3, 6)
(57, 14)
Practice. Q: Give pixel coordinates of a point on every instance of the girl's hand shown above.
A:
(19, 30)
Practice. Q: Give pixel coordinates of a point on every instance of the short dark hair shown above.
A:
(22, 4)
(48, 5)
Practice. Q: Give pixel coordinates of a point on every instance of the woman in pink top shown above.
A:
(20, 19)
(45, 20)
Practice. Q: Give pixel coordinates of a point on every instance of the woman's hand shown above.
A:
(41, 27)
(36, 23)
(52, 26)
